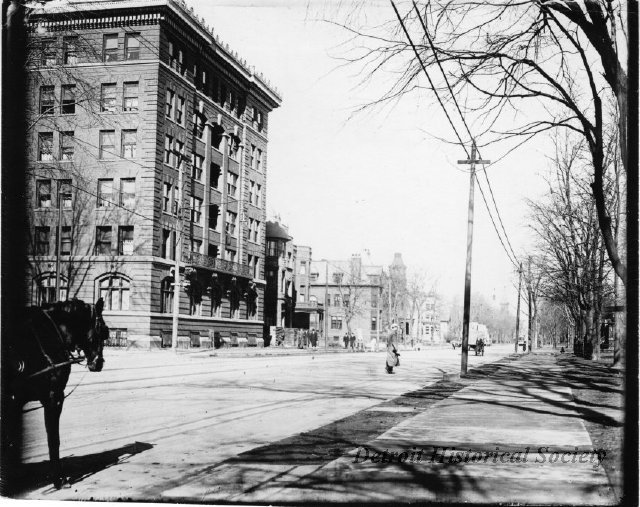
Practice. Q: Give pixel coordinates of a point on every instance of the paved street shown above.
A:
(152, 422)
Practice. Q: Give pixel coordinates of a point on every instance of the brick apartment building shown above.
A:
(124, 96)
(353, 290)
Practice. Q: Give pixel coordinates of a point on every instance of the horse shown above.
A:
(41, 354)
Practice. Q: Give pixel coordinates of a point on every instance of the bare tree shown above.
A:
(513, 69)
(572, 264)
(352, 296)
(417, 297)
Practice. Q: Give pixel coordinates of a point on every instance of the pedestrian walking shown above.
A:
(352, 341)
(345, 339)
(392, 353)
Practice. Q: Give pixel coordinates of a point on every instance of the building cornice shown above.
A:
(95, 14)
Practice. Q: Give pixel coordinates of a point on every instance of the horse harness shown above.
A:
(72, 359)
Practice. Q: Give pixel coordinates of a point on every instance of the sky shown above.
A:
(379, 181)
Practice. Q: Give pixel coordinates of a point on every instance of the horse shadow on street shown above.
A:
(31, 476)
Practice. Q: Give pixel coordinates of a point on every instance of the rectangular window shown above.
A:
(255, 231)
(233, 102)
(256, 267)
(107, 144)
(336, 323)
(132, 46)
(345, 301)
(180, 110)
(224, 97)
(125, 240)
(110, 48)
(204, 80)
(232, 182)
(47, 99)
(196, 167)
(65, 194)
(196, 245)
(252, 189)
(260, 121)
(130, 96)
(336, 300)
(129, 143)
(108, 98)
(168, 244)
(168, 149)
(65, 241)
(259, 161)
(212, 251)
(258, 202)
(128, 192)
(176, 201)
(171, 53)
(45, 146)
(105, 193)
(70, 50)
(214, 175)
(48, 57)
(253, 159)
(231, 255)
(68, 99)
(43, 193)
(166, 196)
(214, 212)
(103, 240)
(67, 146)
(169, 103)
(42, 240)
(374, 323)
(179, 154)
(180, 66)
(196, 209)
(230, 225)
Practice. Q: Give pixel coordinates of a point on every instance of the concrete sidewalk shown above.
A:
(511, 433)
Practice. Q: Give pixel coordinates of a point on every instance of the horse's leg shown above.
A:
(52, 410)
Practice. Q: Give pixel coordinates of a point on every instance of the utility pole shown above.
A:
(467, 279)
(178, 253)
(326, 302)
(518, 307)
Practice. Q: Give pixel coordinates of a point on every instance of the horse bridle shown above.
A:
(72, 359)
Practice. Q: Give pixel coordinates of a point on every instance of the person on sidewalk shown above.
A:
(392, 353)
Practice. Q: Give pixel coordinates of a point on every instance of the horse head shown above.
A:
(83, 328)
(96, 336)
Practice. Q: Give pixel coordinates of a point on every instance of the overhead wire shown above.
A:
(462, 117)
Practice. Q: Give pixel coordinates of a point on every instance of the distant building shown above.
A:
(353, 295)
(280, 277)
(431, 324)
(308, 311)
(397, 300)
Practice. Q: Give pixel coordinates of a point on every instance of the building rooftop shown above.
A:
(275, 230)
(344, 268)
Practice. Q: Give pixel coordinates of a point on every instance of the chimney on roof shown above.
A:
(356, 266)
